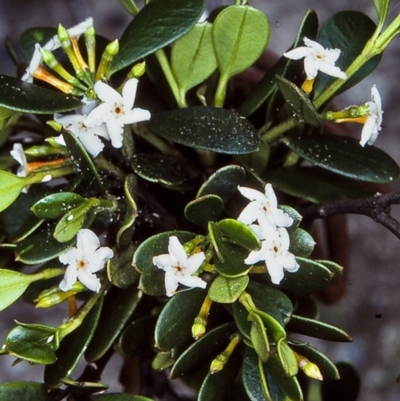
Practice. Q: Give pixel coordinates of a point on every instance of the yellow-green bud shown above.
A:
(137, 70)
(63, 36)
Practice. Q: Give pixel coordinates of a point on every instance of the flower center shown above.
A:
(276, 249)
(118, 110)
(81, 264)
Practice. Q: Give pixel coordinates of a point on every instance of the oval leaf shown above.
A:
(204, 209)
(55, 205)
(208, 128)
(157, 25)
(226, 290)
(24, 391)
(10, 188)
(345, 156)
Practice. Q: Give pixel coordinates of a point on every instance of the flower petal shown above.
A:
(115, 131)
(89, 280)
(171, 283)
(164, 261)
(87, 242)
(129, 93)
(99, 259)
(135, 116)
(99, 115)
(69, 279)
(192, 282)
(193, 263)
(298, 53)
(107, 94)
(177, 251)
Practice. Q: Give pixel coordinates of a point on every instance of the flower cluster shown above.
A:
(270, 230)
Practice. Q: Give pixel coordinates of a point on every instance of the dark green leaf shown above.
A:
(301, 243)
(240, 36)
(176, 319)
(223, 182)
(72, 348)
(212, 343)
(157, 25)
(31, 36)
(22, 96)
(317, 185)
(207, 128)
(24, 391)
(258, 337)
(154, 246)
(153, 284)
(238, 233)
(204, 209)
(227, 290)
(348, 31)
(345, 156)
(193, 58)
(301, 105)
(156, 167)
(120, 270)
(56, 205)
(333, 267)
(118, 307)
(118, 397)
(84, 386)
(317, 329)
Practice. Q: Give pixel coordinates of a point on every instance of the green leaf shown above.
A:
(55, 205)
(10, 188)
(175, 321)
(13, 285)
(317, 329)
(325, 365)
(72, 348)
(157, 25)
(285, 67)
(227, 290)
(153, 284)
(193, 58)
(287, 359)
(301, 105)
(31, 344)
(345, 156)
(382, 8)
(84, 386)
(238, 233)
(240, 36)
(348, 31)
(117, 309)
(317, 184)
(207, 128)
(155, 167)
(73, 220)
(118, 397)
(24, 391)
(204, 209)
(22, 96)
(258, 337)
(223, 182)
(212, 343)
(40, 247)
(31, 36)
(120, 270)
(301, 243)
(154, 246)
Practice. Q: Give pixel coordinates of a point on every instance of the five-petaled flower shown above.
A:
(84, 260)
(373, 122)
(117, 110)
(89, 136)
(316, 58)
(179, 268)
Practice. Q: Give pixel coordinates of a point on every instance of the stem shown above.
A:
(220, 93)
(103, 164)
(47, 274)
(165, 66)
(276, 131)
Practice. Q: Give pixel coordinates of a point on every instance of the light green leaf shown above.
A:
(157, 25)
(193, 58)
(287, 359)
(55, 205)
(10, 188)
(24, 391)
(382, 8)
(227, 290)
(258, 337)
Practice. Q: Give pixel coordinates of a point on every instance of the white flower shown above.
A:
(116, 110)
(274, 252)
(317, 58)
(53, 44)
(178, 267)
(89, 136)
(18, 154)
(263, 208)
(373, 123)
(84, 260)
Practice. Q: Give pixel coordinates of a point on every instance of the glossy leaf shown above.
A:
(348, 31)
(10, 188)
(84, 386)
(31, 36)
(31, 344)
(300, 104)
(117, 309)
(240, 35)
(30, 98)
(326, 366)
(13, 285)
(157, 25)
(301, 243)
(120, 270)
(226, 290)
(317, 329)
(175, 321)
(155, 167)
(345, 156)
(238, 233)
(118, 397)
(267, 87)
(154, 246)
(333, 267)
(207, 128)
(56, 205)
(204, 209)
(317, 184)
(72, 347)
(24, 391)
(153, 284)
(212, 343)
(275, 330)
(287, 359)
(41, 247)
(223, 182)
(192, 57)
(258, 337)
(382, 8)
